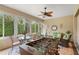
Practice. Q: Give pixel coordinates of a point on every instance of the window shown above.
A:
(27, 28)
(35, 28)
(8, 25)
(40, 29)
(1, 26)
(21, 28)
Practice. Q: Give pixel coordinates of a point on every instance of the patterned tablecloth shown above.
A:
(45, 46)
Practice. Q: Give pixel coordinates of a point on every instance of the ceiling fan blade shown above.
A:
(50, 12)
(49, 15)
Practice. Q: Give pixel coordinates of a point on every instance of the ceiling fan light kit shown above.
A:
(46, 13)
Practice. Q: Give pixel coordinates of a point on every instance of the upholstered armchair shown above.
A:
(5, 43)
(65, 39)
(56, 35)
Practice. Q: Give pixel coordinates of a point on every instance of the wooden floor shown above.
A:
(66, 51)
(71, 50)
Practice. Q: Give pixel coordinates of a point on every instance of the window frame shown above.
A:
(36, 23)
(15, 17)
(3, 23)
(27, 26)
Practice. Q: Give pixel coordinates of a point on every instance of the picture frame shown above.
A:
(54, 27)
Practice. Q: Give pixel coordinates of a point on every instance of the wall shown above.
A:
(77, 33)
(76, 27)
(63, 23)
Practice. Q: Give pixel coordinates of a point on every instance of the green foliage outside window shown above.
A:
(33, 28)
(36, 28)
(21, 29)
(27, 28)
(8, 26)
(1, 29)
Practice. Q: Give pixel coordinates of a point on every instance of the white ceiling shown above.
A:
(59, 10)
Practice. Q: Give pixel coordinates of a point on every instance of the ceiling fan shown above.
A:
(46, 13)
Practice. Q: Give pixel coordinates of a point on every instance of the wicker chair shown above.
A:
(15, 42)
(65, 42)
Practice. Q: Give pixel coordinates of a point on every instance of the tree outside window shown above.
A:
(35, 28)
(27, 28)
(8, 25)
(1, 26)
(21, 28)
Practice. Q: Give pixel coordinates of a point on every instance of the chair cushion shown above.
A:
(56, 34)
(5, 43)
(66, 36)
